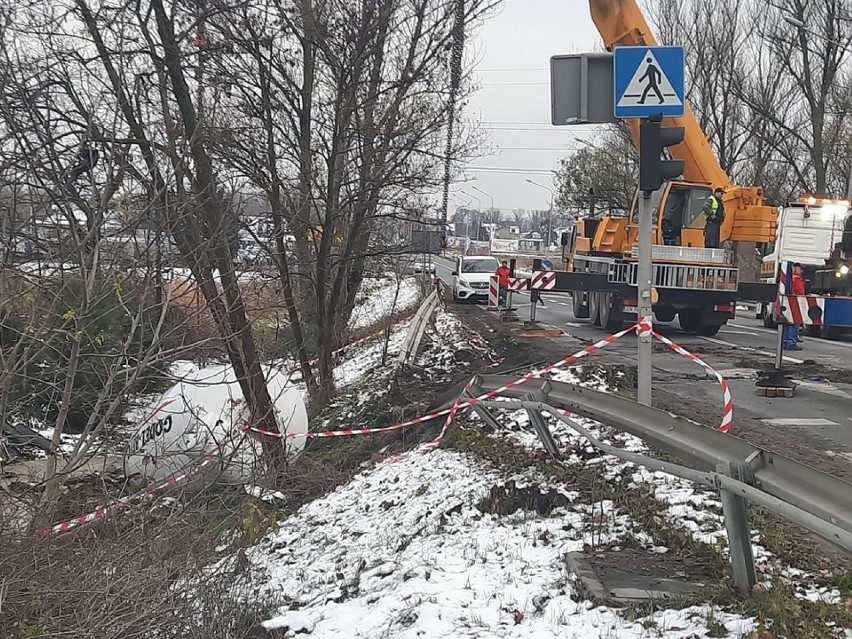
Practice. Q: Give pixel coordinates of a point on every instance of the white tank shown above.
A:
(204, 415)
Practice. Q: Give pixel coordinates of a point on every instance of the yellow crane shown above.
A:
(621, 23)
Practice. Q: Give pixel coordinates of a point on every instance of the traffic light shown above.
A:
(653, 140)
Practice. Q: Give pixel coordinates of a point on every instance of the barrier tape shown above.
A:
(645, 326)
(103, 511)
(727, 398)
(640, 328)
(347, 432)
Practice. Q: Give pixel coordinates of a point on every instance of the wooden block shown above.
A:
(536, 332)
(761, 391)
(770, 392)
(788, 392)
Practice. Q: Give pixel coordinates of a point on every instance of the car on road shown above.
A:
(471, 276)
(424, 264)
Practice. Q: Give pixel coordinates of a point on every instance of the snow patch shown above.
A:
(376, 300)
(403, 551)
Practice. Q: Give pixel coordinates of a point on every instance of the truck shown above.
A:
(699, 285)
(816, 233)
(809, 230)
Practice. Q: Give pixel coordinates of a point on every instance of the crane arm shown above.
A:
(620, 22)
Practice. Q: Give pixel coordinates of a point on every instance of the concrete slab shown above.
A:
(634, 575)
(802, 422)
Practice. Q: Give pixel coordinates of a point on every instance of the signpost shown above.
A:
(649, 84)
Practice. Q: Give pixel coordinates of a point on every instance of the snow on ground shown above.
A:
(693, 508)
(403, 551)
(376, 300)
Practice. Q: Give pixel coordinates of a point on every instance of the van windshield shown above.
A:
(479, 266)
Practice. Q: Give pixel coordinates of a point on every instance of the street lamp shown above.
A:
(549, 211)
(493, 229)
(466, 205)
(800, 24)
(478, 212)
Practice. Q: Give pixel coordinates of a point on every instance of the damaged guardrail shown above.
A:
(739, 470)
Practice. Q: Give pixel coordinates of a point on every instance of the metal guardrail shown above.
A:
(739, 470)
(411, 344)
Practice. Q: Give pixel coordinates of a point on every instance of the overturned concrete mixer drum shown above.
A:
(203, 417)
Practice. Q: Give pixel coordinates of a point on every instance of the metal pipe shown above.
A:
(643, 283)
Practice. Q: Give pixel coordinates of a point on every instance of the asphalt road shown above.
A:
(745, 333)
(820, 412)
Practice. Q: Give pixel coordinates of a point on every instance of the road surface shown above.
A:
(821, 410)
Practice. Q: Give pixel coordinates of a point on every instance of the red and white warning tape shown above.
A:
(465, 403)
(727, 398)
(643, 327)
(107, 509)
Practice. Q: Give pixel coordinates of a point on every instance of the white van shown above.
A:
(472, 275)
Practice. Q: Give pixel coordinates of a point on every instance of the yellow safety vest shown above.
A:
(714, 206)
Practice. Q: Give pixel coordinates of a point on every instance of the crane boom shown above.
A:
(620, 22)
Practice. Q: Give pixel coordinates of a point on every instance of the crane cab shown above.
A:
(681, 222)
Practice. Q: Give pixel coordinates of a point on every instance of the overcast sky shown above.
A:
(511, 56)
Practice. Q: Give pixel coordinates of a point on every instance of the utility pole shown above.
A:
(549, 213)
(653, 171)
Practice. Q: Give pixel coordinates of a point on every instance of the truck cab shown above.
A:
(809, 229)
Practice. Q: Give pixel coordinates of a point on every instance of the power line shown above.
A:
(507, 169)
(534, 148)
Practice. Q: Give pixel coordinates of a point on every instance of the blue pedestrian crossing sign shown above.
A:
(648, 80)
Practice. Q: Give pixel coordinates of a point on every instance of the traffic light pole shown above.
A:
(654, 139)
(643, 284)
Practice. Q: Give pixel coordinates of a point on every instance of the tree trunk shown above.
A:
(233, 323)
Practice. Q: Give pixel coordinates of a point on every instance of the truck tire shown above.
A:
(609, 314)
(595, 308)
(830, 332)
(690, 320)
(709, 329)
(581, 308)
(768, 320)
(664, 314)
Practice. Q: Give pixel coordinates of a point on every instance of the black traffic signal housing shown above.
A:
(653, 140)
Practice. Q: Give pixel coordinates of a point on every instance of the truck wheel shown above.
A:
(768, 320)
(690, 320)
(581, 309)
(708, 329)
(608, 313)
(595, 308)
(664, 314)
(830, 332)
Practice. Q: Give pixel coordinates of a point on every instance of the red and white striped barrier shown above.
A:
(803, 309)
(103, 511)
(543, 280)
(516, 284)
(493, 293)
(727, 398)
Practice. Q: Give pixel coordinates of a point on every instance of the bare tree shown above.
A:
(604, 173)
(367, 96)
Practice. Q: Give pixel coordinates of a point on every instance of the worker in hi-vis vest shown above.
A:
(714, 214)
